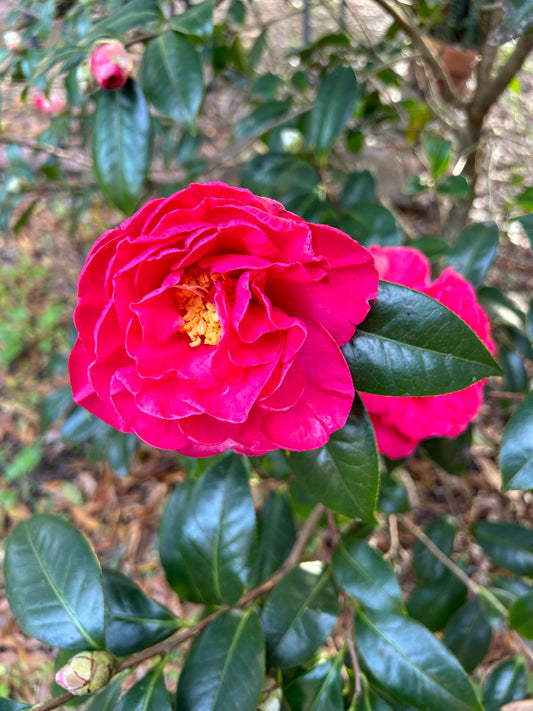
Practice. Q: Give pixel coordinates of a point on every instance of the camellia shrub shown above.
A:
(260, 311)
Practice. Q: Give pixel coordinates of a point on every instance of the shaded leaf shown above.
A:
(410, 663)
(474, 252)
(171, 77)
(364, 573)
(359, 187)
(299, 614)
(8, 705)
(438, 152)
(261, 119)
(344, 473)
(277, 535)
(122, 144)
(433, 604)
(410, 344)
(54, 584)
(521, 616)
(196, 20)
(225, 667)
(516, 453)
(106, 700)
(506, 683)
(135, 13)
(318, 690)
(427, 568)
(468, 634)
(133, 620)
(372, 223)
(508, 544)
(148, 694)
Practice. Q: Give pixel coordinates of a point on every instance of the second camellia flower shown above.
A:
(213, 319)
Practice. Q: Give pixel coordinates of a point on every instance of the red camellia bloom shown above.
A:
(213, 319)
(110, 64)
(401, 423)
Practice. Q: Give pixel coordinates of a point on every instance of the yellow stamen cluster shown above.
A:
(200, 318)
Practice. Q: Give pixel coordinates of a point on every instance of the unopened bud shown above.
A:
(83, 76)
(270, 699)
(48, 105)
(292, 140)
(110, 64)
(12, 40)
(87, 672)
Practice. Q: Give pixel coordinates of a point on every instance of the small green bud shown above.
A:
(87, 672)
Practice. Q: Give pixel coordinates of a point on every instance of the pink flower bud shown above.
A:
(87, 672)
(48, 105)
(110, 65)
(12, 40)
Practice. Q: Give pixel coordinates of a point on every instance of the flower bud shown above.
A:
(48, 105)
(110, 64)
(12, 40)
(87, 672)
(270, 699)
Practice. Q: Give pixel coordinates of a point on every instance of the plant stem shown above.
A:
(184, 634)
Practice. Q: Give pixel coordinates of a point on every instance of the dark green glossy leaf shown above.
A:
(359, 187)
(515, 376)
(529, 321)
(119, 450)
(410, 344)
(435, 603)
(171, 77)
(454, 185)
(438, 152)
(432, 247)
(526, 221)
(219, 532)
(500, 307)
(508, 544)
(393, 496)
(277, 535)
(196, 20)
(261, 119)
(54, 584)
(452, 455)
(133, 620)
(8, 705)
(372, 223)
(409, 662)
(364, 573)
(299, 614)
(148, 694)
(344, 473)
(506, 683)
(122, 144)
(516, 453)
(80, 426)
(225, 667)
(333, 107)
(468, 635)
(55, 406)
(426, 566)
(521, 616)
(136, 13)
(170, 548)
(474, 252)
(106, 700)
(318, 690)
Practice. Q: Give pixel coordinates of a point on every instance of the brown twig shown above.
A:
(184, 634)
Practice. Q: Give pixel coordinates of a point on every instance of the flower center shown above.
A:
(200, 318)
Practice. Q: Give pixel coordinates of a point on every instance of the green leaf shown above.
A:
(277, 535)
(225, 667)
(372, 223)
(148, 694)
(170, 548)
(197, 20)
(500, 307)
(122, 144)
(55, 406)
(521, 616)
(171, 77)
(452, 455)
(474, 252)
(136, 13)
(526, 221)
(54, 584)
(468, 635)
(106, 700)
(333, 107)
(516, 453)
(410, 663)
(454, 185)
(261, 119)
(364, 573)
(219, 532)
(119, 450)
(435, 603)
(426, 567)
(80, 426)
(438, 152)
(529, 321)
(359, 188)
(8, 705)
(133, 620)
(344, 473)
(24, 462)
(318, 690)
(508, 544)
(410, 344)
(506, 683)
(299, 614)
(393, 496)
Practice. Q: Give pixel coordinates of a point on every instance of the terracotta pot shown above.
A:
(458, 61)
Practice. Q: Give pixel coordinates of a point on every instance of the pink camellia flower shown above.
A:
(401, 423)
(110, 64)
(51, 104)
(213, 319)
